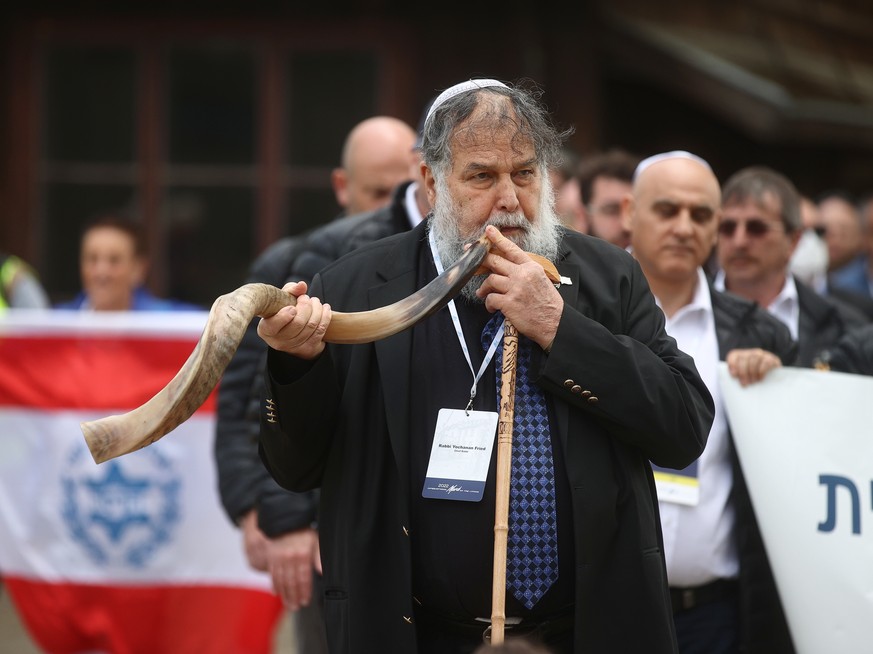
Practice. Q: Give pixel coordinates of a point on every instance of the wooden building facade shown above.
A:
(217, 126)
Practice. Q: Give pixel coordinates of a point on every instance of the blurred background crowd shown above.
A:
(217, 128)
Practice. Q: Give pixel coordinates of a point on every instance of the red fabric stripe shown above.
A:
(70, 618)
(48, 372)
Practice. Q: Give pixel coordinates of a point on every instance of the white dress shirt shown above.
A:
(698, 540)
(411, 205)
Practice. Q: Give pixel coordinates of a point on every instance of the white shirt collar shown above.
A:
(700, 301)
(411, 205)
(786, 306)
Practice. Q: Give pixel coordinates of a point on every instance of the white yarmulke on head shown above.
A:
(457, 89)
(666, 156)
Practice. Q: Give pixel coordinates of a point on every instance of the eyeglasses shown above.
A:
(756, 228)
(820, 230)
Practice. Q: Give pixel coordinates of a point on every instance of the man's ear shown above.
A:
(340, 181)
(429, 183)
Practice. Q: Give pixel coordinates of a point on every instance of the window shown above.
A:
(218, 144)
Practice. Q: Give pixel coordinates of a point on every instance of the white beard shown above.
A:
(541, 237)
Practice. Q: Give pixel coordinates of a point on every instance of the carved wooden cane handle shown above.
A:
(503, 477)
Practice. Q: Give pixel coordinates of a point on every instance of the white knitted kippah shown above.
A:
(665, 156)
(457, 89)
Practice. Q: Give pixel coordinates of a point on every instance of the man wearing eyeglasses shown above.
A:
(604, 180)
(759, 230)
(714, 554)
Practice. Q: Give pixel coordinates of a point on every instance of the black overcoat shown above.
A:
(623, 394)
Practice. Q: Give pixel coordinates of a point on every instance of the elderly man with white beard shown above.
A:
(399, 433)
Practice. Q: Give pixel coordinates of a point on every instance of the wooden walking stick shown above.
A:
(504, 473)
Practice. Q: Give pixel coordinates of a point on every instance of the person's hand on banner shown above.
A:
(752, 365)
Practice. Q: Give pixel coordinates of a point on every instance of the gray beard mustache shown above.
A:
(542, 237)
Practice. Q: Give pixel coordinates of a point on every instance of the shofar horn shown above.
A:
(228, 319)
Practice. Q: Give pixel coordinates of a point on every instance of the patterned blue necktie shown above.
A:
(532, 548)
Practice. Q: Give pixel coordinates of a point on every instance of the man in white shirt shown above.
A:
(672, 215)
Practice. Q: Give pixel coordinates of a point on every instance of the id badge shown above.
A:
(678, 486)
(460, 455)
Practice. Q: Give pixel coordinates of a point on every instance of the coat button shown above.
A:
(586, 393)
(405, 530)
(576, 389)
(593, 399)
(568, 383)
(407, 619)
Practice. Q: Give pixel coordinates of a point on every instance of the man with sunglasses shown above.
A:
(759, 230)
(715, 557)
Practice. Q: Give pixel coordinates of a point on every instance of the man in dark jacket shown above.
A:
(724, 598)
(407, 569)
(854, 352)
(759, 229)
(279, 527)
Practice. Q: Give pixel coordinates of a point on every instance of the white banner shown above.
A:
(805, 442)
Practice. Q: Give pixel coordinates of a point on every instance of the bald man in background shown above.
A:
(375, 158)
(279, 527)
(723, 595)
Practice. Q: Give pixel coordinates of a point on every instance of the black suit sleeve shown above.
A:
(244, 483)
(634, 380)
(854, 352)
(295, 446)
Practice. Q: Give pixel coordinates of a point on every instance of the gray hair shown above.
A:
(756, 183)
(524, 113)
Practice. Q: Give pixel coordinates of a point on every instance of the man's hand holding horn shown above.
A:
(299, 329)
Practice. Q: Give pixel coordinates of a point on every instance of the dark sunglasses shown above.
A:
(754, 227)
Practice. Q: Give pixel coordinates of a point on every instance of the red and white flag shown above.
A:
(134, 555)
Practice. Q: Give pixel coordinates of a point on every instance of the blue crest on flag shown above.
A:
(124, 510)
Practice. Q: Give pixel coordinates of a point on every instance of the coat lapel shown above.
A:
(394, 354)
(570, 269)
